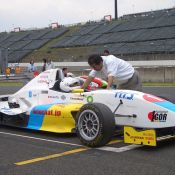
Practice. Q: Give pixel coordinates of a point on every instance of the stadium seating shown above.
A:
(19, 44)
(131, 31)
(142, 33)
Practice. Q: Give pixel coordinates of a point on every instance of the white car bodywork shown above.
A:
(131, 108)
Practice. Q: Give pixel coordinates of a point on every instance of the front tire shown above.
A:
(95, 124)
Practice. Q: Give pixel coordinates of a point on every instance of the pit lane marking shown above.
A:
(51, 156)
(104, 148)
(54, 141)
(119, 150)
(37, 138)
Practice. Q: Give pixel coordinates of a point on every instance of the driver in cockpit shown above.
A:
(69, 83)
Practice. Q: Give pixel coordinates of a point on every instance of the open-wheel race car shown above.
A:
(42, 104)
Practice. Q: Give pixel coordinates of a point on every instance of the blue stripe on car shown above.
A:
(168, 105)
(36, 120)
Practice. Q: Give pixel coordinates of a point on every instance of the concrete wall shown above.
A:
(150, 71)
(157, 74)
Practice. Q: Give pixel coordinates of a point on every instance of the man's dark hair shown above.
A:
(106, 51)
(64, 68)
(94, 59)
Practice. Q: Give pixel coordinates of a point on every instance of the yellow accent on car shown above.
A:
(144, 137)
(61, 120)
(77, 90)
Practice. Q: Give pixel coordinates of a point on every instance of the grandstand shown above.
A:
(20, 44)
(141, 36)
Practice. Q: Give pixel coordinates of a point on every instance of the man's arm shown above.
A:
(87, 82)
(110, 81)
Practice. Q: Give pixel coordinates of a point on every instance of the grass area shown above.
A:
(159, 84)
(11, 84)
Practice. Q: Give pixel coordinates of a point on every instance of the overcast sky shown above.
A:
(40, 13)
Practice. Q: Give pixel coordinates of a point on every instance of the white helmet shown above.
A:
(69, 83)
(70, 74)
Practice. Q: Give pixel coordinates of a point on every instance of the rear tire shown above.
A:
(95, 124)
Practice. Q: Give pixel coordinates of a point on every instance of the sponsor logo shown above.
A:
(30, 94)
(124, 95)
(7, 111)
(89, 99)
(158, 116)
(44, 92)
(152, 98)
(52, 96)
(47, 112)
(142, 138)
(63, 97)
(76, 98)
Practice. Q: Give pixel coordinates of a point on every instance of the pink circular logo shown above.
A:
(152, 98)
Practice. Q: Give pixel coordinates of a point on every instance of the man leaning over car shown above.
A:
(116, 69)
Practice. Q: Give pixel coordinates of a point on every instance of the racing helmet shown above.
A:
(69, 83)
(70, 74)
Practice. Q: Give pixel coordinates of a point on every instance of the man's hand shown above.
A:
(110, 81)
(87, 82)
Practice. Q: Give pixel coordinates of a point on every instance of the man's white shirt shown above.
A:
(116, 67)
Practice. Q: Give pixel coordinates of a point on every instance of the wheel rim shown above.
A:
(88, 125)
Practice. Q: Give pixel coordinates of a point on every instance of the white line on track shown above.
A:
(37, 138)
(104, 148)
(121, 149)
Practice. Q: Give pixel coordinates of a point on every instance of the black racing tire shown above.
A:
(95, 124)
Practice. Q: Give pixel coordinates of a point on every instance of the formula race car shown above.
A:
(48, 104)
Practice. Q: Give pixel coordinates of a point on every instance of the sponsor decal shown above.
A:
(158, 116)
(53, 96)
(7, 111)
(124, 95)
(46, 112)
(63, 97)
(30, 94)
(89, 99)
(76, 98)
(44, 92)
(146, 136)
(142, 138)
(4, 109)
(152, 98)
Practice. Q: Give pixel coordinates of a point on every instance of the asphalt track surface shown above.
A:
(27, 152)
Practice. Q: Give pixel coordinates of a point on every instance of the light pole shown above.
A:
(116, 13)
(3, 59)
